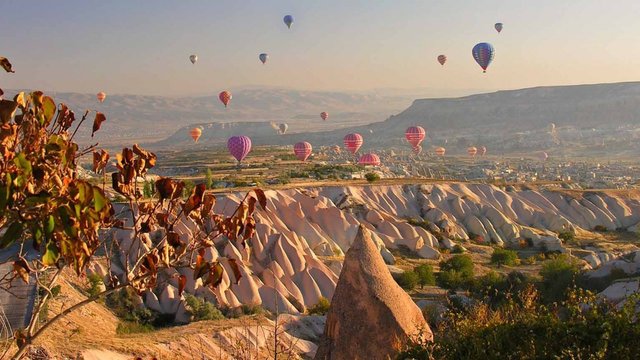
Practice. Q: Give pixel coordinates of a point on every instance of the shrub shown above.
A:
(457, 249)
(455, 272)
(558, 275)
(504, 257)
(600, 228)
(371, 177)
(425, 275)
(566, 236)
(202, 310)
(321, 308)
(95, 282)
(523, 328)
(208, 179)
(461, 263)
(408, 280)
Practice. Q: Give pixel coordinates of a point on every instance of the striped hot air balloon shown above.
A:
(239, 147)
(324, 115)
(369, 160)
(442, 59)
(302, 150)
(472, 150)
(195, 134)
(415, 135)
(225, 97)
(101, 96)
(440, 151)
(483, 53)
(482, 150)
(353, 142)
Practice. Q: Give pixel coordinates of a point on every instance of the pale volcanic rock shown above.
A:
(308, 287)
(369, 313)
(169, 300)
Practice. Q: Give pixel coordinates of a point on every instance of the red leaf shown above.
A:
(215, 275)
(100, 118)
(236, 270)
(195, 200)
(262, 199)
(182, 282)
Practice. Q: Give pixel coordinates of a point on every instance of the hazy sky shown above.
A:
(142, 47)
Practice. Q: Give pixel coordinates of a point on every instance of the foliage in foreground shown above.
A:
(523, 328)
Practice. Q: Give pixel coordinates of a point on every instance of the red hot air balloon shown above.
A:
(442, 59)
(415, 135)
(440, 151)
(417, 150)
(225, 97)
(482, 150)
(324, 115)
(352, 142)
(302, 150)
(369, 160)
(195, 134)
(472, 151)
(239, 147)
(101, 96)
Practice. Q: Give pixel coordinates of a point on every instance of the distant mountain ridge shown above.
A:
(492, 117)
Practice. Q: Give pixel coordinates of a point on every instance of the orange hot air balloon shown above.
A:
(472, 151)
(442, 59)
(195, 134)
(324, 115)
(101, 96)
(225, 97)
(440, 151)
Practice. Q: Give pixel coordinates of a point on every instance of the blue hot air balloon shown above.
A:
(288, 19)
(263, 57)
(483, 53)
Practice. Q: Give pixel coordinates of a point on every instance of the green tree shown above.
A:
(408, 280)
(321, 308)
(558, 276)
(208, 179)
(372, 177)
(425, 275)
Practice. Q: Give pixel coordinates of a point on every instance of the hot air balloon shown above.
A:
(483, 53)
(442, 59)
(225, 97)
(472, 151)
(288, 20)
(324, 115)
(417, 150)
(283, 128)
(369, 160)
(302, 150)
(482, 150)
(415, 135)
(195, 134)
(101, 96)
(263, 57)
(543, 156)
(440, 151)
(352, 142)
(239, 147)
(498, 27)
(193, 58)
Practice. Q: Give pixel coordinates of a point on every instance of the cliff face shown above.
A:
(295, 257)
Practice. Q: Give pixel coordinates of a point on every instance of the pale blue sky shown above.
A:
(142, 47)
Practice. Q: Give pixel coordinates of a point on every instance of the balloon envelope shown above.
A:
(415, 135)
(369, 160)
(263, 57)
(324, 115)
(498, 27)
(440, 151)
(101, 96)
(288, 20)
(225, 97)
(442, 59)
(239, 147)
(193, 58)
(302, 150)
(352, 142)
(472, 151)
(483, 53)
(283, 128)
(195, 134)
